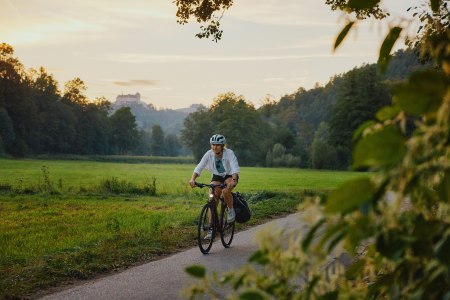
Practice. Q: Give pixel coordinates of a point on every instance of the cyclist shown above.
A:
(223, 165)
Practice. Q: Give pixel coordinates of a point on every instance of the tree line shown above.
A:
(37, 118)
(308, 128)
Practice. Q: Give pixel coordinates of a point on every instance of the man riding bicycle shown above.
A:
(223, 165)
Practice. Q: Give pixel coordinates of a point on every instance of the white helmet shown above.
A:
(217, 139)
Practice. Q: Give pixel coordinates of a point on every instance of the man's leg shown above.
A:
(217, 192)
(227, 196)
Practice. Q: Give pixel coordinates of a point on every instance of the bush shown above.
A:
(278, 158)
(122, 186)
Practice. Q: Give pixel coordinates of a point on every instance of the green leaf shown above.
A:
(446, 296)
(225, 279)
(387, 113)
(311, 286)
(274, 287)
(359, 131)
(343, 34)
(423, 235)
(362, 4)
(386, 47)
(237, 284)
(391, 245)
(259, 257)
(196, 271)
(442, 249)
(310, 235)
(329, 296)
(443, 189)
(355, 269)
(422, 93)
(383, 148)
(331, 232)
(435, 5)
(435, 269)
(382, 282)
(336, 241)
(251, 295)
(350, 196)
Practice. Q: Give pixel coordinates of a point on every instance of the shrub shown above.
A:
(122, 186)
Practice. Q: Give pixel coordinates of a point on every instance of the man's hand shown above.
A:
(232, 184)
(192, 183)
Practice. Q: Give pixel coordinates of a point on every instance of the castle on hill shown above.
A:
(124, 100)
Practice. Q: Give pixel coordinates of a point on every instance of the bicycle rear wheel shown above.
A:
(206, 224)
(227, 232)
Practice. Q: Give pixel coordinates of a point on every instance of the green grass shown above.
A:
(170, 178)
(68, 227)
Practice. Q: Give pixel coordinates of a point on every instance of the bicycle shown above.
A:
(209, 221)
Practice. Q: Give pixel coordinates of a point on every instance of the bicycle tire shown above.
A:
(227, 230)
(203, 227)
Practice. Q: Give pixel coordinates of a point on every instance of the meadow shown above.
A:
(65, 220)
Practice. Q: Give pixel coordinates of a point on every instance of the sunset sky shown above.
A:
(269, 47)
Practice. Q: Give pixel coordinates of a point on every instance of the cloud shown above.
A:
(136, 82)
(140, 58)
(43, 22)
(301, 13)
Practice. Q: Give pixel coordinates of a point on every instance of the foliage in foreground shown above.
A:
(395, 227)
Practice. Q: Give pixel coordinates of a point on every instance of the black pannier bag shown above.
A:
(241, 208)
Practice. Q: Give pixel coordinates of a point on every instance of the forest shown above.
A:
(308, 128)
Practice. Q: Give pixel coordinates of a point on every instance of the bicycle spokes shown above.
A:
(227, 230)
(206, 230)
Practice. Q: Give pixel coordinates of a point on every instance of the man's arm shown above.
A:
(235, 169)
(192, 180)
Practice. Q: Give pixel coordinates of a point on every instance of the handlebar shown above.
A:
(211, 185)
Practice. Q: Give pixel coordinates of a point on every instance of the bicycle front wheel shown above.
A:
(206, 229)
(227, 232)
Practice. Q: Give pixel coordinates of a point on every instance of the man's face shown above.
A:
(217, 149)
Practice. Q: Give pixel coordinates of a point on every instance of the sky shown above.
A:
(268, 49)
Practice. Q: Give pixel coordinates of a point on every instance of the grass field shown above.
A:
(170, 178)
(59, 223)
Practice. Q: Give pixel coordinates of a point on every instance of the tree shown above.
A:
(323, 155)
(124, 133)
(236, 119)
(198, 128)
(44, 93)
(395, 225)
(14, 98)
(359, 96)
(157, 145)
(7, 135)
(172, 145)
(204, 12)
(241, 124)
(94, 130)
(74, 92)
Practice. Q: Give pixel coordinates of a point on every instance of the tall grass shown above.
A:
(122, 186)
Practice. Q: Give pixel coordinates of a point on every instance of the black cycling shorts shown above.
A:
(220, 178)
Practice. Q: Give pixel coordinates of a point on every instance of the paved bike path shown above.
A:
(164, 279)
